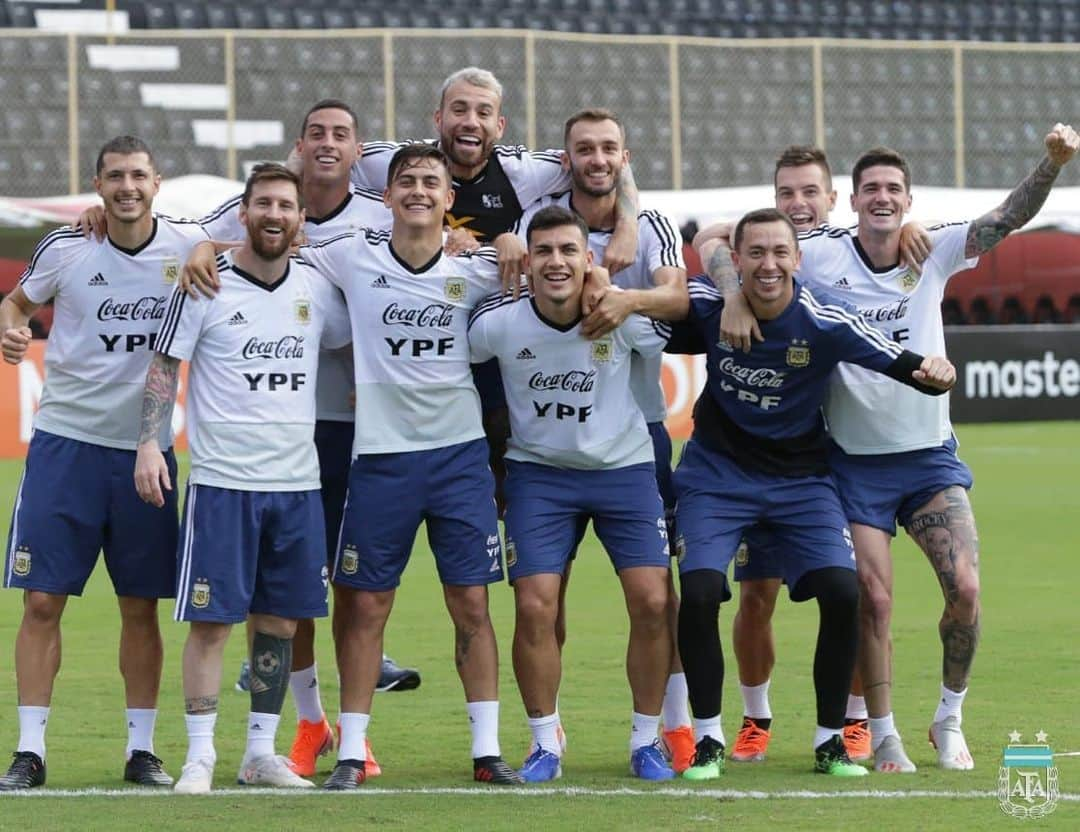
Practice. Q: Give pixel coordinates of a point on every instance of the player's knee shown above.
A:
(965, 603)
(834, 587)
(43, 609)
(649, 606)
(535, 610)
(469, 610)
(875, 599)
(140, 612)
(208, 634)
(703, 590)
(757, 600)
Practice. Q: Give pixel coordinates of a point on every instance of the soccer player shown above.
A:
(253, 532)
(419, 452)
(653, 285)
(758, 457)
(76, 496)
(579, 450)
(327, 149)
(880, 427)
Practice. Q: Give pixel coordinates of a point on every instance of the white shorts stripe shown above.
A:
(183, 580)
(10, 559)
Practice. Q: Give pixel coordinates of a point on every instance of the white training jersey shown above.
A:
(869, 413)
(414, 389)
(362, 208)
(569, 398)
(659, 245)
(254, 351)
(109, 306)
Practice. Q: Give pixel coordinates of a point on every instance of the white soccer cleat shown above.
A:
(951, 746)
(270, 770)
(890, 757)
(196, 777)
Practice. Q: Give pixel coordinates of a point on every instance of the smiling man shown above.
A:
(579, 450)
(110, 299)
(758, 457)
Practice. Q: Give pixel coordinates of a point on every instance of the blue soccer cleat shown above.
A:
(648, 763)
(540, 767)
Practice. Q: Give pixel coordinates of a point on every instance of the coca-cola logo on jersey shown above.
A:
(752, 376)
(576, 381)
(432, 315)
(291, 346)
(147, 308)
(892, 312)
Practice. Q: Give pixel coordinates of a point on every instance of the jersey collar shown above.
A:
(131, 252)
(551, 323)
(426, 267)
(859, 250)
(332, 214)
(250, 278)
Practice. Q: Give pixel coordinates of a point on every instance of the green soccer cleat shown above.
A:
(707, 762)
(832, 758)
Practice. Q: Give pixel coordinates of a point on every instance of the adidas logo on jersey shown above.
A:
(97, 280)
(380, 282)
(842, 284)
(525, 354)
(237, 320)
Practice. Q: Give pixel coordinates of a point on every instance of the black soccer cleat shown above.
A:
(392, 677)
(144, 769)
(495, 771)
(27, 771)
(346, 776)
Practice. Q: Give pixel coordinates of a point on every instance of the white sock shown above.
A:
(353, 744)
(33, 719)
(545, 732)
(880, 729)
(262, 728)
(676, 711)
(950, 704)
(856, 707)
(200, 731)
(709, 728)
(823, 735)
(304, 685)
(756, 700)
(643, 730)
(484, 723)
(140, 723)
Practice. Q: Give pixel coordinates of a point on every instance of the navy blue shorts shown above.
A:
(250, 551)
(760, 556)
(77, 499)
(546, 507)
(880, 489)
(333, 441)
(718, 502)
(661, 443)
(450, 488)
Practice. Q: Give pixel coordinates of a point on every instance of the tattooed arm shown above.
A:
(738, 326)
(1027, 198)
(622, 248)
(151, 472)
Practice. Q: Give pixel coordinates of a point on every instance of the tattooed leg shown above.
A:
(271, 660)
(475, 651)
(873, 561)
(203, 652)
(945, 530)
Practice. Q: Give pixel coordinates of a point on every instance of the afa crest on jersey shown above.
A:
(798, 354)
(21, 564)
(601, 350)
(200, 594)
(302, 307)
(454, 289)
(170, 270)
(908, 280)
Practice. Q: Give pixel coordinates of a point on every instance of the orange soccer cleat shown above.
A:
(679, 745)
(751, 743)
(313, 740)
(857, 740)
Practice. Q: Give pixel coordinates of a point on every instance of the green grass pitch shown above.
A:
(1026, 679)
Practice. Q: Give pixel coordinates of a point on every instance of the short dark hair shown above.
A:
(760, 217)
(798, 155)
(593, 114)
(330, 104)
(412, 153)
(271, 172)
(555, 216)
(125, 145)
(880, 156)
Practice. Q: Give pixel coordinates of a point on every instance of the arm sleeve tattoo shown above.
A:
(1019, 207)
(159, 395)
(722, 271)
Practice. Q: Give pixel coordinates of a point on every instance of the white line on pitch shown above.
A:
(730, 794)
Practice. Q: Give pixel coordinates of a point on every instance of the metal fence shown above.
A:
(699, 112)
